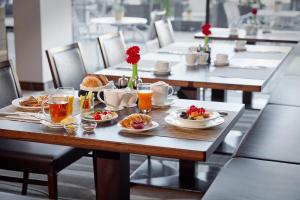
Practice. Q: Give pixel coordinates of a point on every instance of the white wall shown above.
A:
(39, 25)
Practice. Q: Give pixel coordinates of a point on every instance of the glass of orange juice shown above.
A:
(68, 91)
(145, 97)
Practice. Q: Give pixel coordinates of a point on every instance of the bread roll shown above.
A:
(91, 81)
(103, 79)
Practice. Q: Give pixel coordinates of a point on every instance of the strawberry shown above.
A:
(97, 117)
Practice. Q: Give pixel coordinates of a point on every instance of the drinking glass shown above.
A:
(56, 108)
(68, 91)
(145, 97)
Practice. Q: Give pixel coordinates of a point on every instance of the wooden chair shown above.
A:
(112, 48)
(31, 157)
(67, 66)
(164, 32)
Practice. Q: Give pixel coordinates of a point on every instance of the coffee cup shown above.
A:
(240, 44)
(130, 100)
(193, 49)
(191, 59)
(233, 32)
(202, 58)
(162, 66)
(160, 92)
(221, 58)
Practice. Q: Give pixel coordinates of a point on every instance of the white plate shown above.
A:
(99, 121)
(146, 128)
(162, 73)
(51, 125)
(175, 114)
(209, 124)
(113, 109)
(168, 103)
(221, 64)
(16, 103)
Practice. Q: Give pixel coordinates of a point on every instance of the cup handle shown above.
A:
(170, 88)
(98, 96)
(47, 115)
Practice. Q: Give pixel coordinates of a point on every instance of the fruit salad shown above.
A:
(195, 113)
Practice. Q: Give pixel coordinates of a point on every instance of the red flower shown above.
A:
(206, 29)
(133, 59)
(133, 50)
(254, 11)
(133, 55)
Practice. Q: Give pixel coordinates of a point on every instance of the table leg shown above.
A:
(219, 95)
(187, 174)
(189, 93)
(112, 175)
(247, 99)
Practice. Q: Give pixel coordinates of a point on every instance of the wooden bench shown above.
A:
(250, 179)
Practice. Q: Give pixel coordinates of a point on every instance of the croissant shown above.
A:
(127, 122)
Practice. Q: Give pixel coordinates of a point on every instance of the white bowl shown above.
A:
(176, 115)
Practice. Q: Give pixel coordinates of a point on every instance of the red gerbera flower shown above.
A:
(133, 59)
(254, 11)
(133, 50)
(206, 29)
(133, 55)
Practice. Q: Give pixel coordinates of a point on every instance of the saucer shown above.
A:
(168, 103)
(131, 106)
(240, 50)
(226, 63)
(113, 109)
(162, 73)
(191, 65)
(51, 125)
(203, 64)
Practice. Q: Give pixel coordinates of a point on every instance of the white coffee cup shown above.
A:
(160, 92)
(130, 100)
(202, 58)
(162, 66)
(233, 31)
(240, 44)
(221, 58)
(193, 49)
(191, 58)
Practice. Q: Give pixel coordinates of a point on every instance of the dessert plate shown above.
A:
(152, 126)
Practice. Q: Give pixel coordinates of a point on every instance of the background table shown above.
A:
(126, 21)
(112, 146)
(274, 36)
(240, 75)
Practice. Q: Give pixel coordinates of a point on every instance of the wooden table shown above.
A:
(240, 75)
(112, 147)
(274, 36)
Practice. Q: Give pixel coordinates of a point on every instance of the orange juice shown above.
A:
(70, 105)
(145, 100)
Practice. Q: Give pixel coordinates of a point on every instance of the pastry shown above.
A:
(103, 79)
(91, 81)
(130, 120)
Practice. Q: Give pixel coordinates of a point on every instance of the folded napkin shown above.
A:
(20, 116)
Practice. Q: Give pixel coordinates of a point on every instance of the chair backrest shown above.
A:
(164, 32)
(9, 84)
(155, 16)
(232, 13)
(67, 67)
(112, 48)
